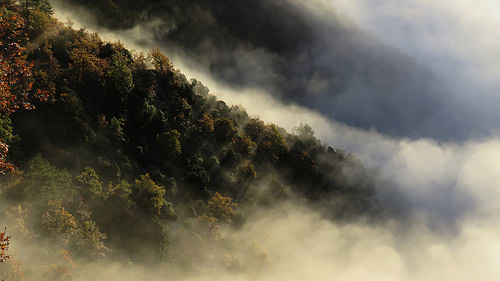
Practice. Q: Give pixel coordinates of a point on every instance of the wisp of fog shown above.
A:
(440, 197)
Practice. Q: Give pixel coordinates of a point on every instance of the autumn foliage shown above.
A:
(16, 82)
(4, 245)
(16, 73)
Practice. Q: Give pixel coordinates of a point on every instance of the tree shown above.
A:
(16, 83)
(91, 186)
(91, 240)
(224, 129)
(58, 222)
(16, 74)
(12, 270)
(254, 129)
(221, 207)
(206, 124)
(120, 74)
(273, 146)
(170, 142)
(148, 195)
(87, 67)
(244, 145)
(247, 171)
(42, 5)
(160, 62)
(4, 245)
(44, 181)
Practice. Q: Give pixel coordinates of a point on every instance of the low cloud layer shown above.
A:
(442, 198)
(295, 243)
(458, 40)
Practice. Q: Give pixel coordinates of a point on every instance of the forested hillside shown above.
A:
(110, 154)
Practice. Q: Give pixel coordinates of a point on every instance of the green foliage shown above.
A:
(40, 20)
(273, 146)
(224, 129)
(244, 145)
(148, 195)
(44, 181)
(170, 143)
(120, 193)
(90, 185)
(58, 222)
(221, 207)
(86, 66)
(90, 241)
(254, 129)
(120, 75)
(206, 124)
(42, 5)
(6, 132)
(71, 105)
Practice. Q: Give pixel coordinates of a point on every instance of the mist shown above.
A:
(440, 195)
(320, 56)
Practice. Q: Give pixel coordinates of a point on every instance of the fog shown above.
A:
(295, 243)
(441, 196)
(344, 61)
(455, 38)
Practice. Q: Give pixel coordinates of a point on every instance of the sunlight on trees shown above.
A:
(160, 62)
(58, 222)
(221, 207)
(148, 195)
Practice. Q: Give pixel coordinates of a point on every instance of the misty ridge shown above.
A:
(118, 167)
(116, 164)
(324, 62)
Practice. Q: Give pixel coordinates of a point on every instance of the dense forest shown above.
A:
(111, 154)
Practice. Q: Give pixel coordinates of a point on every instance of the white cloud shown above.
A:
(457, 38)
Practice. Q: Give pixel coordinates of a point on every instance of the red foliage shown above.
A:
(4, 245)
(16, 73)
(4, 165)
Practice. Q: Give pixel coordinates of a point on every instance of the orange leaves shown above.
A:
(4, 245)
(206, 124)
(4, 165)
(160, 62)
(16, 73)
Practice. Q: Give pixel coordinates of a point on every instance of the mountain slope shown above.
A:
(127, 161)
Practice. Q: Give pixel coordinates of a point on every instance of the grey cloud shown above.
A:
(317, 59)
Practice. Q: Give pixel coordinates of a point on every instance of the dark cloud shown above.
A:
(327, 64)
